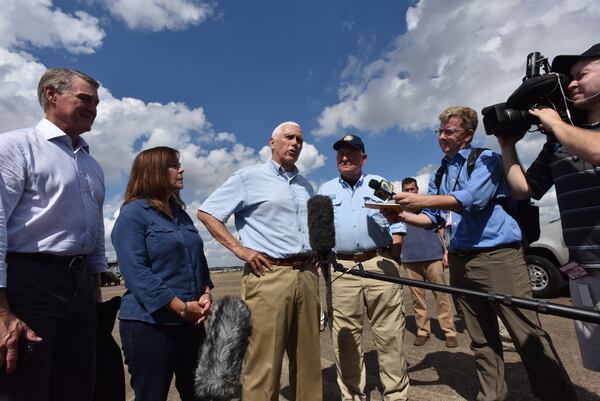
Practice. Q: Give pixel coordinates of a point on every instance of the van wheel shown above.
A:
(546, 279)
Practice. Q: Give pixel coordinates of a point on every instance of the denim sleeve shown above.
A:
(226, 200)
(478, 190)
(129, 239)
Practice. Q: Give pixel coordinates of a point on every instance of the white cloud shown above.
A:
(125, 126)
(455, 52)
(38, 23)
(156, 15)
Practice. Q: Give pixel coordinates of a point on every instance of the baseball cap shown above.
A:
(350, 140)
(564, 63)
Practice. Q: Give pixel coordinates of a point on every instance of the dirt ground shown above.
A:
(435, 371)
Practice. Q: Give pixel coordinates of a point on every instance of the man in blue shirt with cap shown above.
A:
(364, 236)
(485, 254)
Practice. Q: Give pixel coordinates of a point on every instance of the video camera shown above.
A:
(538, 90)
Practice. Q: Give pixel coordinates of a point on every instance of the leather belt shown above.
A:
(361, 256)
(69, 262)
(295, 261)
(477, 251)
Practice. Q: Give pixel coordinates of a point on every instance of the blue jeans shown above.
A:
(153, 353)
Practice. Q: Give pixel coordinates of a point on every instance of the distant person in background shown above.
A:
(280, 282)
(168, 293)
(364, 236)
(424, 258)
(52, 195)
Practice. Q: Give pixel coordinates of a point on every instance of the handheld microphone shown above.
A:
(321, 227)
(384, 189)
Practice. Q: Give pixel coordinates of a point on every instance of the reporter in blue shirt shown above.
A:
(162, 259)
(484, 254)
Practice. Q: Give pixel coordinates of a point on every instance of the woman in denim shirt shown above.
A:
(162, 259)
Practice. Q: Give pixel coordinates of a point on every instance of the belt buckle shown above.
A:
(77, 261)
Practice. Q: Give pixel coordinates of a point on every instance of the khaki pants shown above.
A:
(351, 298)
(504, 271)
(284, 304)
(432, 272)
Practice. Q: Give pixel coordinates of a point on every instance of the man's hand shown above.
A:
(393, 216)
(256, 260)
(510, 140)
(445, 263)
(548, 118)
(411, 201)
(13, 330)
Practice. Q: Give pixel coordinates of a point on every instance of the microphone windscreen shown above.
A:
(321, 228)
(374, 184)
(228, 332)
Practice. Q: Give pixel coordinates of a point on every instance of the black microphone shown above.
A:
(321, 228)
(383, 189)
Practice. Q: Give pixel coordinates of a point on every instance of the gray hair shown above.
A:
(277, 129)
(60, 79)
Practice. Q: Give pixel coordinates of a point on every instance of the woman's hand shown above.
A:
(205, 303)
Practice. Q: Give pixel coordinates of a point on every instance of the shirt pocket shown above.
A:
(374, 216)
(337, 212)
(163, 242)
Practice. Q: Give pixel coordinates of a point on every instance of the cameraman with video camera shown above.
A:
(570, 160)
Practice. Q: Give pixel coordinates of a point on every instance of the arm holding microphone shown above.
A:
(413, 203)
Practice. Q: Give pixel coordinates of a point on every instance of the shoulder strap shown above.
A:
(475, 152)
(438, 178)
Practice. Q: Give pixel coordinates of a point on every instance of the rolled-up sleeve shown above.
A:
(482, 186)
(398, 228)
(129, 239)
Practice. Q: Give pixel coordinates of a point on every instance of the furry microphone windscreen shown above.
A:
(321, 228)
(220, 363)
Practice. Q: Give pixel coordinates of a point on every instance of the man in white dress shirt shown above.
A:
(53, 253)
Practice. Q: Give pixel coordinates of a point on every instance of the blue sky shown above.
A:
(213, 79)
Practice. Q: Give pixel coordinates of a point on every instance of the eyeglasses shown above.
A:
(447, 131)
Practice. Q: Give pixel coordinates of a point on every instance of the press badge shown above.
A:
(573, 270)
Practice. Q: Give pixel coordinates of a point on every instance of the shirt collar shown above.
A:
(358, 183)
(462, 154)
(277, 169)
(51, 131)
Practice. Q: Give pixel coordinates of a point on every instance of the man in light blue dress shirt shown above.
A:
(485, 254)
(279, 284)
(52, 196)
(364, 236)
